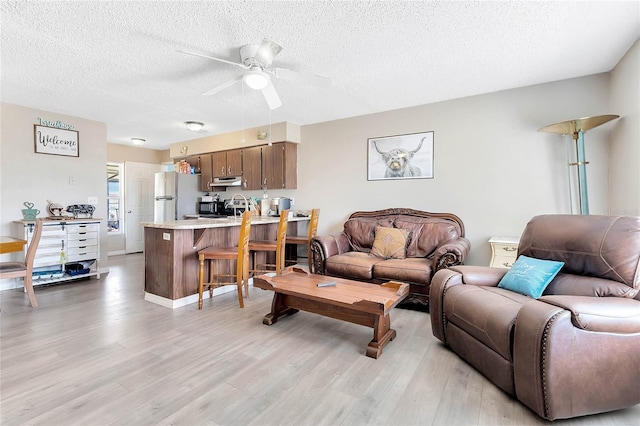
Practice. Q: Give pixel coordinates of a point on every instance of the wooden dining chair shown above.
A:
(276, 246)
(297, 240)
(239, 253)
(25, 269)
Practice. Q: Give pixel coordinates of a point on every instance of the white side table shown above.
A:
(504, 251)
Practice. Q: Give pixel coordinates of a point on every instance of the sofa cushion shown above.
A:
(530, 276)
(353, 264)
(486, 313)
(427, 233)
(414, 270)
(361, 231)
(390, 243)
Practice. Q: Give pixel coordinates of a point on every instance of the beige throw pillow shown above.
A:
(390, 243)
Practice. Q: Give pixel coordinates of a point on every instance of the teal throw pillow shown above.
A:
(530, 276)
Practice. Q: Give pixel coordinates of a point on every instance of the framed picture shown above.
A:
(55, 141)
(401, 157)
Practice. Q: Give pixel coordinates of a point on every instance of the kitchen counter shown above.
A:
(203, 223)
(171, 248)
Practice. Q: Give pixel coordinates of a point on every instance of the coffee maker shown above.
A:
(278, 204)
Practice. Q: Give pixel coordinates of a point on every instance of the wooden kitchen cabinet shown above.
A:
(227, 163)
(280, 165)
(206, 171)
(252, 168)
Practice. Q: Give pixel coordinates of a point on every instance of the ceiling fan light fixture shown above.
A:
(194, 126)
(256, 79)
(138, 141)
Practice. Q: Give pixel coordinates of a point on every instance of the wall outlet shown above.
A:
(293, 202)
(72, 180)
(166, 236)
(92, 200)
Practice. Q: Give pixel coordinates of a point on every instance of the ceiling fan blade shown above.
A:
(267, 51)
(222, 86)
(271, 96)
(313, 79)
(215, 59)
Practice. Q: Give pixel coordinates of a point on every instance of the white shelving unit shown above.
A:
(69, 249)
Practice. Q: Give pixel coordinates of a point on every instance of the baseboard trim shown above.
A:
(184, 301)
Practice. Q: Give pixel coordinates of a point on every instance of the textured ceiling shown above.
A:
(116, 62)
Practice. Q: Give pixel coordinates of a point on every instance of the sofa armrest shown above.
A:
(325, 246)
(563, 371)
(450, 253)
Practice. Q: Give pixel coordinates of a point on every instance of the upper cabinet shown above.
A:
(227, 163)
(206, 172)
(280, 165)
(252, 168)
(275, 167)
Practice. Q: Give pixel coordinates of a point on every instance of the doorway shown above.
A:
(138, 202)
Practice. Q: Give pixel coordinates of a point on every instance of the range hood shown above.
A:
(227, 181)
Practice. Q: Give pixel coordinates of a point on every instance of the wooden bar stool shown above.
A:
(240, 254)
(25, 269)
(276, 246)
(306, 239)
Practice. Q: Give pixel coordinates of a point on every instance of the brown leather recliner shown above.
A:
(572, 352)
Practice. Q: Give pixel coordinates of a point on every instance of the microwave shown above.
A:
(210, 207)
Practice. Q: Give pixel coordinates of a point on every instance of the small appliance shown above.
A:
(211, 209)
(278, 204)
(227, 181)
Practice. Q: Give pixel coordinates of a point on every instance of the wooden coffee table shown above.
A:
(352, 301)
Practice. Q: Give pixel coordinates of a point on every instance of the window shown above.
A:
(114, 198)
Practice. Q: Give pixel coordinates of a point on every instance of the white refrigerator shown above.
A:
(176, 194)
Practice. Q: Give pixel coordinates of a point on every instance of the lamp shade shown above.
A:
(256, 79)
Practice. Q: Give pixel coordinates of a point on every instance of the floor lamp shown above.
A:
(576, 129)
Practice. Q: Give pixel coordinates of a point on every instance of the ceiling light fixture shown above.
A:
(138, 141)
(256, 79)
(194, 126)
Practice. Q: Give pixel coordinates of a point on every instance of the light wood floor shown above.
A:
(95, 353)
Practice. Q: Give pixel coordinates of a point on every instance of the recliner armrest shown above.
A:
(480, 275)
(453, 276)
(600, 314)
(562, 371)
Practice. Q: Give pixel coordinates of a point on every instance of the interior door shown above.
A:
(139, 181)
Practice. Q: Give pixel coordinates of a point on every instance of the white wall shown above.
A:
(624, 169)
(492, 168)
(27, 176)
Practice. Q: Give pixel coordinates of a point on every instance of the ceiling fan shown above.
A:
(256, 61)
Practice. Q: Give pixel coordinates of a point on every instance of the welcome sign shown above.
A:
(56, 141)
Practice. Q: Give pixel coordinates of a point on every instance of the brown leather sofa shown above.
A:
(573, 351)
(435, 241)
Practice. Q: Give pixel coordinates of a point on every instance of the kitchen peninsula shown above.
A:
(170, 255)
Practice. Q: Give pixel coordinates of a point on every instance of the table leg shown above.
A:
(382, 334)
(278, 309)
